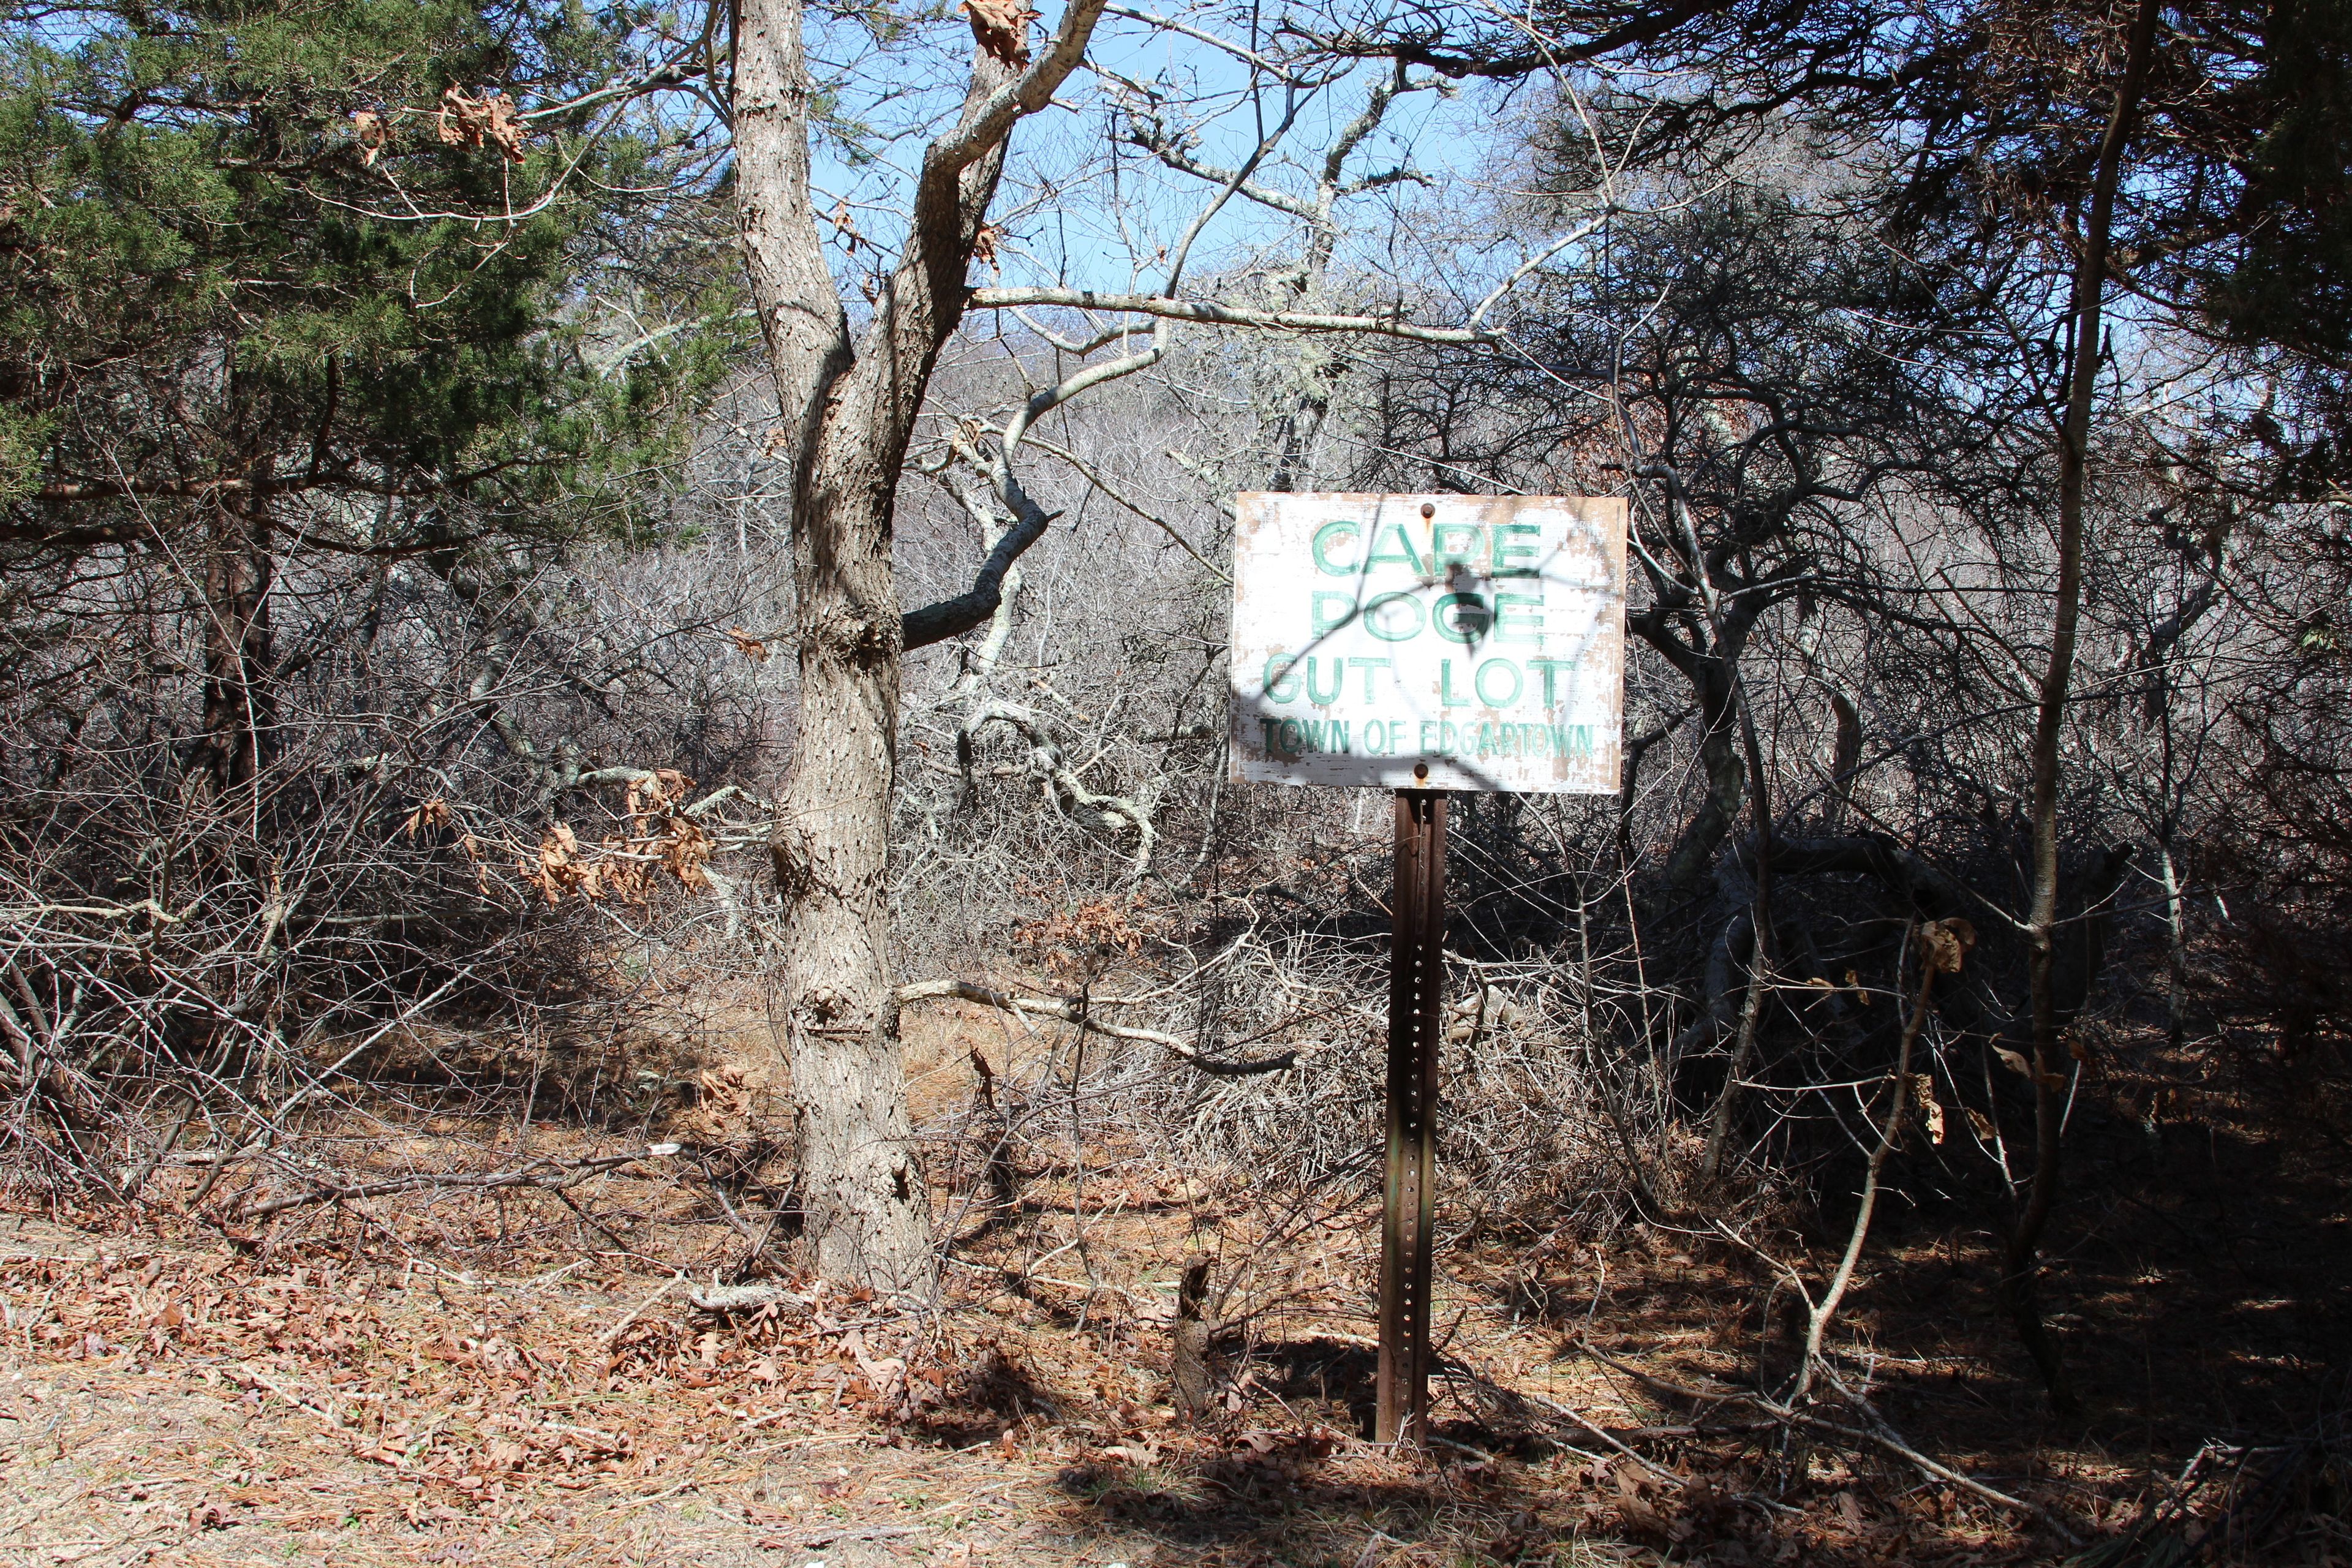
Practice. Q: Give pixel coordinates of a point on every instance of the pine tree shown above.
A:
(279, 276)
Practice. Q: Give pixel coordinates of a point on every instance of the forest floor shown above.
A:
(342, 1390)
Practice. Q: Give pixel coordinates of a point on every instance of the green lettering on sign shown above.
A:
(1402, 555)
(1455, 543)
(1518, 618)
(1329, 537)
(1460, 617)
(1515, 550)
(1331, 611)
(1485, 682)
(1393, 617)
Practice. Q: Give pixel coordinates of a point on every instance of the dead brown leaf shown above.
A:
(433, 812)
(465, 120)
(1923, 1096)
(372, 132)
(845, 226)
(556, 869)
(1944, 944)
(1001, 27)
(686, 852)
(2024, 1068)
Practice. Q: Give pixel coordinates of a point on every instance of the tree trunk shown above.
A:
(2020, 1270)
(240, 709)
(851, 414)
(1709, 660)
(864, 1208)
(2176, 957)
(861, 1190)
(1727, 782)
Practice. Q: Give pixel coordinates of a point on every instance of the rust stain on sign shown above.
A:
(1431, 642)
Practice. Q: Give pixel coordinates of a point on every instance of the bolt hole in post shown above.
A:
(1426, 644)
(1416, 998)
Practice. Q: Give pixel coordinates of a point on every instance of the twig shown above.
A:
(290, 1397)
(1896, 1445)
(1589, 1425)
(1943, 945)
(1885, 1440)
(865, 1533)
(614, 1332)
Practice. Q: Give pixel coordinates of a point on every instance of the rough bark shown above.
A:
(1733, 762)
(800, 314)
(1760, 949)
(851, 410)
(1189, 1356)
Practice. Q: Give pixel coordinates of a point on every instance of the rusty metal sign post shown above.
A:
(1425, 644)
(1416, 1032)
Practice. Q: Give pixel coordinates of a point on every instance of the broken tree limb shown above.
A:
(954, 616)
(1047, 759)
(1586, 1423)
(551, 1173)
(743, 1297)
(1883, 1440)
(1072, 1012)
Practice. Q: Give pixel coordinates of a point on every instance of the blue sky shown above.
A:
(1072, 217)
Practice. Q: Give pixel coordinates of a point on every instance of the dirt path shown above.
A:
(183, 1404)
(108, 1471)
(169, 1407)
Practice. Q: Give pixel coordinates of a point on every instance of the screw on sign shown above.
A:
(1425, 644)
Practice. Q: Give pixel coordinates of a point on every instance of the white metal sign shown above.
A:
(1429, 642)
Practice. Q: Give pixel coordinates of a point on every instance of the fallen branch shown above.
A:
(1082, 1014)
(1586, 1423)
(1901, 1450)
(554, 1175)
(1597, 1430)
(861, 1533)
(743, 1297)
(1072, 792)
(1885, 1441)
(18, 914)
